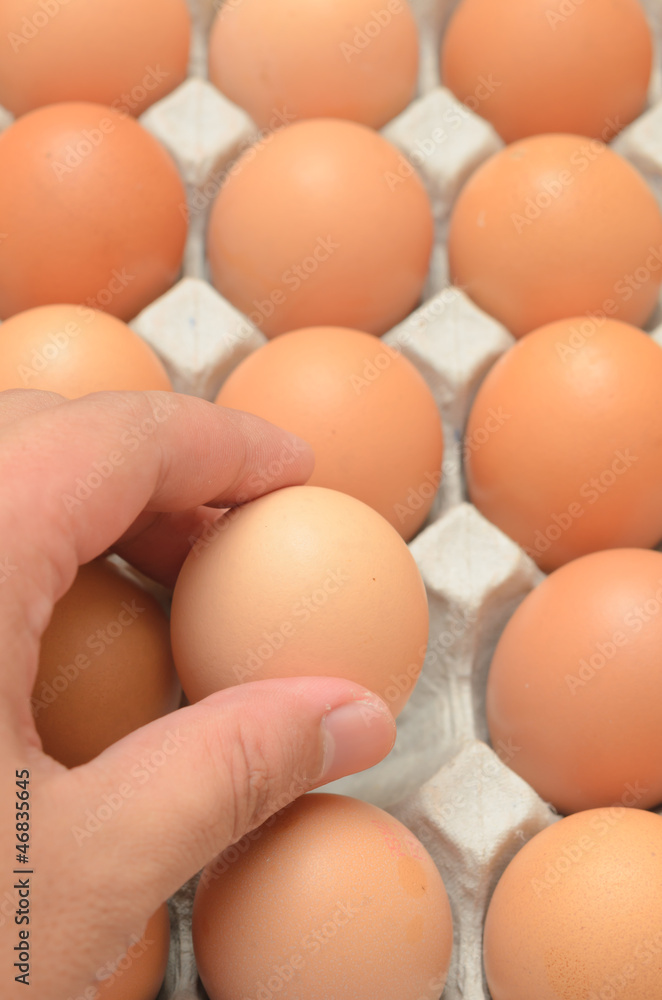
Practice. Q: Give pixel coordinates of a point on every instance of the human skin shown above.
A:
(241, 754)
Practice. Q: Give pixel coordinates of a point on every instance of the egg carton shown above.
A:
(442, 779)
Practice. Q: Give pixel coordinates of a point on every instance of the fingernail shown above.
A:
(356, 736)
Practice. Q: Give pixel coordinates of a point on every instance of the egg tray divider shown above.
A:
(442, 780)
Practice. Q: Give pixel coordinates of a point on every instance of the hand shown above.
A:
(243, 753)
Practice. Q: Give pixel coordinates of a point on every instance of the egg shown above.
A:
(575, 683)
(74, 350)
(553, 227)
(304, 581)
(138, 973)
(324, 223)
(577, 914)
(105, 666)
(331, 897)
(370, 417)
(330, 59)
(113, 52)
(529, 66)
(92, 211)
(563, 446)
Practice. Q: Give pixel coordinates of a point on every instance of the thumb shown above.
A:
(163, 802)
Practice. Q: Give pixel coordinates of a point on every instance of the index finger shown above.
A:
(75, 476)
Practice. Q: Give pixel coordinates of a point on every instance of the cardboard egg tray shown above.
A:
(442, 779)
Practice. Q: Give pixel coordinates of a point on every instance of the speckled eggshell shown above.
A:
(138, 974)
(557, 226)
(368, 414)
(331, 898)
(575, 683)
(324, 224)
(564, 441)
(74, 350)
(105, 666)
(92, 211)
(301, 582)
(577, 915)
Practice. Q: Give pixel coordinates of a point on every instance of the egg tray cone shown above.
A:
(458, 795)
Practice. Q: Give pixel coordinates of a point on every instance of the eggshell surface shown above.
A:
(557, 226)
(333, 58)
(114, 52)
(368, 414)
(301, 582)
(74, 350)
(573, 463)
(331, 891)
(324, 225)
(139, 973)
(530, 67)
(105, 666)
(575, 683)
(92, 209)
(578, 912)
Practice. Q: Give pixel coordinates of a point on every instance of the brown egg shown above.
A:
(577, 914)
(105, 666)
(329, 59)
(74, 350)
(564, 441)
(92, 211)
(302, 582)
(115, 52)
(369, 415)
(332, 897)
(323, 224)
(553, 227)
(575, 683)
(138, 973)
(529, 66)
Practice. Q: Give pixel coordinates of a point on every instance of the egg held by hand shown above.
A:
(304, 581)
